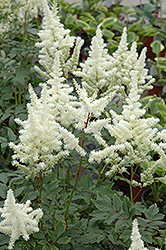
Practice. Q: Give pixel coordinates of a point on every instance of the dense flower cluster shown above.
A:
(42, 138)
(137, 243)
(135, 136)
(95, 72)
(59, 40)
(19, 219)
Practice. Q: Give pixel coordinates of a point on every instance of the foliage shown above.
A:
(52, 137)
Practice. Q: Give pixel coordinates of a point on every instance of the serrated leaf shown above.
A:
(59, 229)
(63, 240)
(104, 205)
(3, 178)
(120, 223)
(142, 222)
(117, 204)
(52, 235)
(151, 212)
(99, 215)
(126, 205)
(111, 217)
(39, 235)
(125, 235)
(18, 191)
(31, 196)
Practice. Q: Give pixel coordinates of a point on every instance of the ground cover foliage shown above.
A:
(67, 129)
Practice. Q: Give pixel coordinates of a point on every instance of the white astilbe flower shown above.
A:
(88, 106)
(19, 219)
(55, 38)
(126, 61)
(134, 136)
(42, 138)
(5, 7)
(137, 243)
(94, 72)
(60, 94)
(30, 7)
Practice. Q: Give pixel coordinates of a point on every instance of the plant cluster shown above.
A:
(63, 151)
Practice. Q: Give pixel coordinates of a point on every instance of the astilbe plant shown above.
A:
(135, 137)
(54, 136)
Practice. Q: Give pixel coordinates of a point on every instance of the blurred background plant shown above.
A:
(19, 27)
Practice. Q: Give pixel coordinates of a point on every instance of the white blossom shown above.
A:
(135, 137)
(94, 71)
(19, 219)
(137, 243)
(126, 62)
(42, 137)
(5, 7)
(55, 38)
(30, 7)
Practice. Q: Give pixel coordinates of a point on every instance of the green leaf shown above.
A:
(151, 212)
(98, 214)
(142, 222)
(82, 24)
(11, 135)
(111, 217)
(12, 123)
(31, 196)
(107, 33)
(3, 191)
(59, 229)
(117, 204)
(103, 204)
(157, 47)
(39, 235)
(125, 235)
(45, 248)
(3, 178)
(120, 223)
(18, 191)
(52, 235)
(109, 21)
(85, 181)
(4, 239)
(131, 37)
(52, 247)
(63, 240)
(3, 139)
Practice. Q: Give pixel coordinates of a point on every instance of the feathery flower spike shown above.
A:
(19, 219)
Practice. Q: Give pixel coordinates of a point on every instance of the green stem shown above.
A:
(19, 94)
(41, 177)
(75, 184)
(163, 240)
(131, 191)
(99, 176)
(79, 168)
(25, 91)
